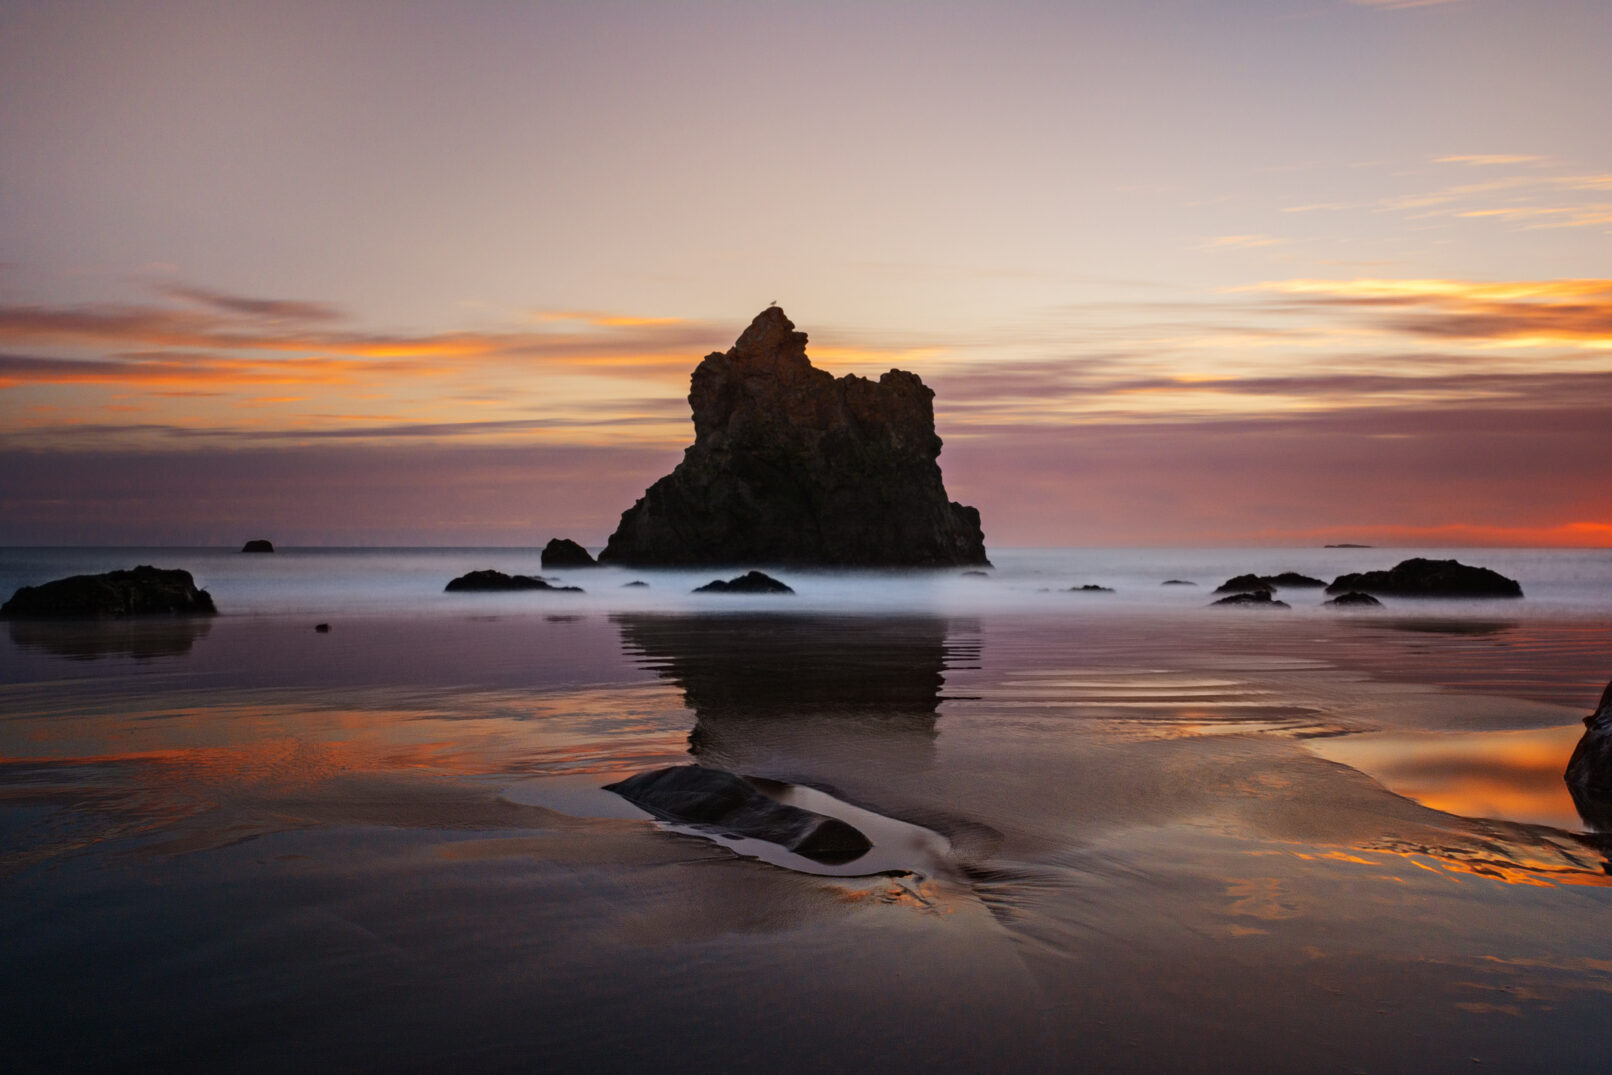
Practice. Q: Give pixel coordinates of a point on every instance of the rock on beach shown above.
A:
(143, 591)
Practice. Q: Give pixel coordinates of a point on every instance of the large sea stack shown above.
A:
(792, 466)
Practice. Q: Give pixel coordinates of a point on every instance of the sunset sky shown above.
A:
(1276, 272)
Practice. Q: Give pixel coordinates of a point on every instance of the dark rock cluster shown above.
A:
(1269, 583)
(1429, 578)
(144, 591)
(494, 581)
(792, 466)
(258, 545)
(1409, 578)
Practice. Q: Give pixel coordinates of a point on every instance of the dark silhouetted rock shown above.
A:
(322, 628)
(1253, 599)
(258, 545)
(1290, 580)
(791, 466)
(1354, 599)
(728, 803)
(1589, 771)
(1090, 588)
(1246, 584)
(635, 584)
(144, 591)
(563, 552)
(493, 581)
(749, 582)
(1348, 545)
(1177, 582)
(1429, 578)
(976, 574)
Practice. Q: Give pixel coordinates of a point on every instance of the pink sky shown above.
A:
(1179, 273)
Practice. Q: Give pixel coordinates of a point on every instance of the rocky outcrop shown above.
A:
(1589, 771)
(791, 466)
(1354, 599)
(563, 553)
(1429, 578)
(1090, 587)
(258, 545)
(1253, 599)
(728, 803)
(749, 582)
(1253, 583)
(144, 591)
(496, 581)
(1177, 582)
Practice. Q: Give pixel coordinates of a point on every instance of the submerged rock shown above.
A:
(1429, 578)
(563, 552)
(1254, 599)
(258, 545)
(1253, 583)
(493, 581)
(144, 591)
(791, 466)
(1090, 588)
(731, 804)
(1589, 771)
(1354, 599)
(749, 582)
(1177, 582)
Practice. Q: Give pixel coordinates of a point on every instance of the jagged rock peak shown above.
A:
(790, 465)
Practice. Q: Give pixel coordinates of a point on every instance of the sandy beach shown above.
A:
(1108, 836)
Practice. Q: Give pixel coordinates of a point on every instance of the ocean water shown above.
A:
(1122, 831)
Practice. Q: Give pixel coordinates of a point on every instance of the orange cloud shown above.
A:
(1520, 313)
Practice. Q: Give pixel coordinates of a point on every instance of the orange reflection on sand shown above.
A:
(1520, 866)
(1512, 775)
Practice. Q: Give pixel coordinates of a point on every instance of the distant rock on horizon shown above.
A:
(791, 466)
(258, 545)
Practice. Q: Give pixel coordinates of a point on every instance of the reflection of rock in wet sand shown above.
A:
(770, 691)
(88, 640)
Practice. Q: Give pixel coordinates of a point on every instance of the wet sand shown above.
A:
(1159, 843)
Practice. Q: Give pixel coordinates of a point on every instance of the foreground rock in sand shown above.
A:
(1419, 577)
(1590, 769)
(144, 591)
(723, 800)
(791, 466)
